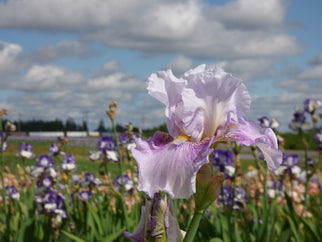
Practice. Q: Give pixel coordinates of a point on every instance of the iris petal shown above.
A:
(250, 133)
(168, 165)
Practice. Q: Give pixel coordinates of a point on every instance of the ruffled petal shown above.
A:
(250, 133)
(170, 165)
(166, 88)
(210, 100)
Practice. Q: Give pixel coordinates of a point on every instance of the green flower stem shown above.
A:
(121, 171)
(193, 226)
(2, 171)
(120, 155)
(307, 178)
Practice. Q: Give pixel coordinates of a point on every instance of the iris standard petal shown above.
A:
(211, 99)
(170, 165)
(167, 88)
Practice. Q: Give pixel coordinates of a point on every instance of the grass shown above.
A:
(11, 160)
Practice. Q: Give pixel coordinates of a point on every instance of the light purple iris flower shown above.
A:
(85, 195)
(202, 107)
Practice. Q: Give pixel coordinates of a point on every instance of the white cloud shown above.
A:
(250, 13)
(62, 49)
(108, 68)
(312, 74)
(11, 58)
(48, 78)
(179, 65)
(191, 28)
(249, 69)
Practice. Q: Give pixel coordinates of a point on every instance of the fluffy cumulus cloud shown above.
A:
(248, 38)
(11, 58)
(50, 91)
(179, 65)
(62, 49)
(233, 30)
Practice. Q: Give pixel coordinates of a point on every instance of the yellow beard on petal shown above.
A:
(181, 139)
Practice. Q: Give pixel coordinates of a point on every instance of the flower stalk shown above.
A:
(112, 113)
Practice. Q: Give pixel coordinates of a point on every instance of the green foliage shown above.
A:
(295, 142)
(149, 132)
(102, 217)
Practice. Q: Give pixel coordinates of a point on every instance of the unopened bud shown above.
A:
(9, 127)
(112, 111)
(315, 119)
(129, 127)
(254, 151)
(3, 111)
(236, 148)
(207, 187)
(158, 221)
(63, 140)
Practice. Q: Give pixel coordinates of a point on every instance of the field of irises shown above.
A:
(213, 177)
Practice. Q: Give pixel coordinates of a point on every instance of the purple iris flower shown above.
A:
(298, 120)
(90, 179)
(107, 143)
(47, 182)
(318, 139)
(275, 188)
(94, 155)
(226, 197)
(76, 179)
(106, 148)
(240, 197)
(4, 145)
(223, 160)
(85, 195)
(202, 107)
(53, 149)
(52, 201)
(69, 163)
(124, 139)
(264, 122)
(26, 151)
(12, 192)
(311, 105)
(45, 161)
(128, 183)
(289, 161)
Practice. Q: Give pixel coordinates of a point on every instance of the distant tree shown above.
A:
(119, 128)
(84, 126)
(56, 125)
(101, 127)
(70, 124)
(150, 132)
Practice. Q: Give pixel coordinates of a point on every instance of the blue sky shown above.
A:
(60, 60)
